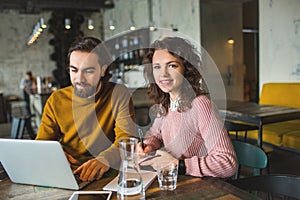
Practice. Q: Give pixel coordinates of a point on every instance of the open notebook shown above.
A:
(147, 178)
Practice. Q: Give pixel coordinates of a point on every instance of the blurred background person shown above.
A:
(27, 84)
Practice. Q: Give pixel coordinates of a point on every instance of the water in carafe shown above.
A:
(130, 184)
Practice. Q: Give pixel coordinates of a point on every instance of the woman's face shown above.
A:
(168, 72)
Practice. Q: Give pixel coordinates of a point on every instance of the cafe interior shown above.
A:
(252, 47)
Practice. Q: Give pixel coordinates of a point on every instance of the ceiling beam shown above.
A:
(35, 6)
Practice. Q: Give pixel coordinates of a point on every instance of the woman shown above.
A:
(27, 83)
(187, 123)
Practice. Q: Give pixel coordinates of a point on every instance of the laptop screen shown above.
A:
(36, 162)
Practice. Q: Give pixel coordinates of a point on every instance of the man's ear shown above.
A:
(103, 70)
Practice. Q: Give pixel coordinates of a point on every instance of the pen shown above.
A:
(148, 158)
(141, 135)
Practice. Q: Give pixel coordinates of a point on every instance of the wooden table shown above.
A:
(257, 114)
(187, 188)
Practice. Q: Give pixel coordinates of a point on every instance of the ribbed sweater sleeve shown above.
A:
(197, 136)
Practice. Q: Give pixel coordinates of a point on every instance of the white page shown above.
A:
(147, 178)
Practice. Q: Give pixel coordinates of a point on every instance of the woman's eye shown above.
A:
(172, 66)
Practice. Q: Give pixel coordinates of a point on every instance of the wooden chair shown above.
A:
(249, 155)
(270, 186)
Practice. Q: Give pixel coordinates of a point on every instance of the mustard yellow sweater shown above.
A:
(89, 128)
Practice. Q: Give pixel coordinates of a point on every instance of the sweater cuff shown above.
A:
(193, 166)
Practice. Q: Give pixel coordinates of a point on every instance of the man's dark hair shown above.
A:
(94, 45)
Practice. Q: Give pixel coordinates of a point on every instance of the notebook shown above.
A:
(37, 162)
(147, 178)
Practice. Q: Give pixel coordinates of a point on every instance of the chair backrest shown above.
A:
(276, 94)
(250, 155)
(239, 128)
(286, 185)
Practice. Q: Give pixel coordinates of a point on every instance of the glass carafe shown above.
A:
(130, 184)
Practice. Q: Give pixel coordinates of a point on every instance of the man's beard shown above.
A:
(87, 91)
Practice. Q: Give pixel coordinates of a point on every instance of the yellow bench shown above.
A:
(283, 134)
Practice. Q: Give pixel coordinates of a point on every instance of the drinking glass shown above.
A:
(167, 175)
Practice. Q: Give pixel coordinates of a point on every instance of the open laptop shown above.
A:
(37, 162)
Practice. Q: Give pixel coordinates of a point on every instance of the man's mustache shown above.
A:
(82, 84)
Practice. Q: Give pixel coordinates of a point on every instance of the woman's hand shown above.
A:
(160, 156)
(147, 148)
(141, 152)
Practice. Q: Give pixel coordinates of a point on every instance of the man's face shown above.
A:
(85, 73)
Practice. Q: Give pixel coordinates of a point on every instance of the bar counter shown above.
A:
(37, 102)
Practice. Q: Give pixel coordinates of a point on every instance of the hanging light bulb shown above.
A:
(37, 31)
(67, 23)
(111, 25)
(90, 24)
(132, 27)
(230, 41)
(151, 26)
(42, 22)
(38, 27)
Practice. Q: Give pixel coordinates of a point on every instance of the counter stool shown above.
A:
(18, 125)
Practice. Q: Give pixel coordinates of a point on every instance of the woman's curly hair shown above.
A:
(191, 86)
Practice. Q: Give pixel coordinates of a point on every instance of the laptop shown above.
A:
(38, 162)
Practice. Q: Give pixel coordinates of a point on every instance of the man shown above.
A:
(89, 117)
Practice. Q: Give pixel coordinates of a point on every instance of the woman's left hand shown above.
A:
(160, 157)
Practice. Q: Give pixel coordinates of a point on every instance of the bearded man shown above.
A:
(90, 116)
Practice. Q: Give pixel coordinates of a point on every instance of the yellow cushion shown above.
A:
(273, 133)
(281, 94)
(272, 137)
(292, 139)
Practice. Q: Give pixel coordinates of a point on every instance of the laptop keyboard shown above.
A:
(77, 178)
(81, 183)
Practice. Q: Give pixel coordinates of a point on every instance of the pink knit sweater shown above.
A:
(197, 136)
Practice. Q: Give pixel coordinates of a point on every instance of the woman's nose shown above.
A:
(164, 71)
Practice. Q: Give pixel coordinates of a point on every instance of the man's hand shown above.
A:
(71, 159)
(92, 169)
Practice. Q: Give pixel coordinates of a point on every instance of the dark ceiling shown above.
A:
(36, 6)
